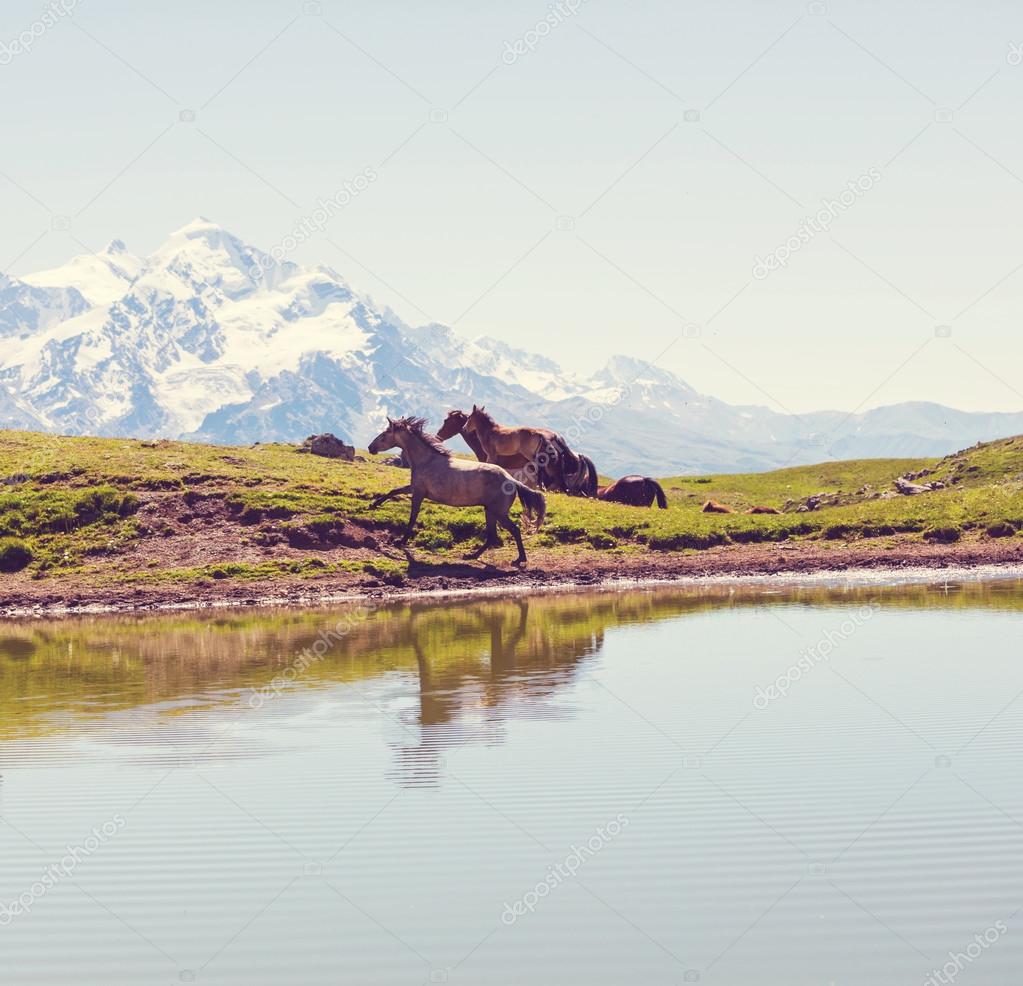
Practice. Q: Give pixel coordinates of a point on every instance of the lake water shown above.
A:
(656, 787)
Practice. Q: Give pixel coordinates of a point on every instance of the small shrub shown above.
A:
(602, 541)
(14, 555)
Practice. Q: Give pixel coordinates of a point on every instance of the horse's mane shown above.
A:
(416, 426)
(485, 415)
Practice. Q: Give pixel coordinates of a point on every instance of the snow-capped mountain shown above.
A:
(209, 338)
(25, 308)
(101, 278)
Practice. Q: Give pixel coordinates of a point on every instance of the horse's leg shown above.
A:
(491, 540)
(540, 460)
(384, 497)
(509, 525)
(417, 502)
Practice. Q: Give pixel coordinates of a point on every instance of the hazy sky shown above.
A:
(603, 185)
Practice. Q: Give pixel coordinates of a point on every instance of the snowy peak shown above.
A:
(203, 256)
(26, 308)
(529, 361)
(635, 382)
(101, 278)
(491, 358)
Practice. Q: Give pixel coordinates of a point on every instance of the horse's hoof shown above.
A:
(519, 563)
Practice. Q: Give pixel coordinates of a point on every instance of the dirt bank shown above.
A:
(121, 591)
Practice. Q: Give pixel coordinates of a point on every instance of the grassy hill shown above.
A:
(127, 512)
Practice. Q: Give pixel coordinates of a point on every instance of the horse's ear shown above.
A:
(390, 421)
(475, 408)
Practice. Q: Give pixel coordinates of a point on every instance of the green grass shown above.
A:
(72, 504)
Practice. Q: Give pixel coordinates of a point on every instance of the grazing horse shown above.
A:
(438, 476)
(454, 424)
(636, 491)
(543, 449)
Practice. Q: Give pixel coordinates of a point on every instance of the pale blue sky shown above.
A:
(786, 103)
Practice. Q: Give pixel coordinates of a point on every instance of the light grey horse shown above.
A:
(437, 476)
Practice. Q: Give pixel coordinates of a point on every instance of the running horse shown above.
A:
(454, 424)
(546, 453)
(636, 491)
(438, 476)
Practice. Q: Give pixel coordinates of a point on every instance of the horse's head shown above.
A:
(476, 419)
(387, 439)
(453, 424)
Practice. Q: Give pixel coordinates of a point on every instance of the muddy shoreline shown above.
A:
(768, 564)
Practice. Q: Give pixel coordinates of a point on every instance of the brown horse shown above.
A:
(636, 491)
(438, 476)
(454, 424)
(545, 451)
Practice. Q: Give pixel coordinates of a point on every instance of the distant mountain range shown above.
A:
(210, 339)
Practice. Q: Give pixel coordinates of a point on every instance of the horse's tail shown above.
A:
(533, 503)
(662, 500)
(591, 473)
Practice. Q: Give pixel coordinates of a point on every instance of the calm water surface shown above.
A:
(600, 788)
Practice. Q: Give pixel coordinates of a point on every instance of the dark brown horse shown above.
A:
(583, 480)
(636, 491)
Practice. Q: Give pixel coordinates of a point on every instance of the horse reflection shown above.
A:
(508, 662)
